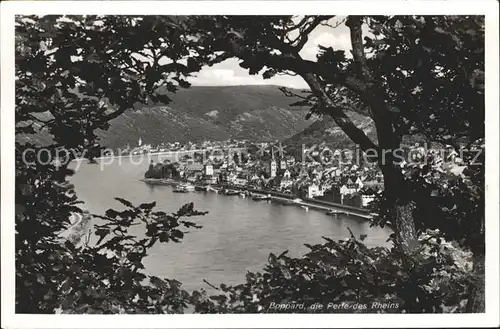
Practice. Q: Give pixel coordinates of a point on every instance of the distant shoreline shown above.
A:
(163, 153)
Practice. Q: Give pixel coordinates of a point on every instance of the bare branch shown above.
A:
(304, 33)
(354, 24)
(287, 73)
(336, 24)
(288, 93)
(114, 114)
(297, 26)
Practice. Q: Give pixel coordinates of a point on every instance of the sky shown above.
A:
(230, 73)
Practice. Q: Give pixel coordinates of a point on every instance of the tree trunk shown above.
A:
(400, 204)
(476, 302)
(405, 226)
(400, 207)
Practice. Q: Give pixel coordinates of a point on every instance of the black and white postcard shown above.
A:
(292, 162)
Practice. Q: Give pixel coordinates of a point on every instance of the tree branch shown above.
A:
(289, 60)
(337, 113)
(372, 94)
(297, 26)
(310, 71)
(336, 24)
(309, 28)
(358, 53)
(289, 93)
(293, 62)
(115, 114)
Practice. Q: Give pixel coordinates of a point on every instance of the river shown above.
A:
(237, 235)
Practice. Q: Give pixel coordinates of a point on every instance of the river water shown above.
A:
(237, 235)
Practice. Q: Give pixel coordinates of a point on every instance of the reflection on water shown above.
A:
(237, 235)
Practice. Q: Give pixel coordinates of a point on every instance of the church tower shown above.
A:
(303, 172)
(272, 165)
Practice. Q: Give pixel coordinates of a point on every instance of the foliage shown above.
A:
(411, 74)
(432, 70)
(73, 75)
(433, 279)
(107, 277)
(449, 191)
(76, 73)
(104, 276)
(161, 170)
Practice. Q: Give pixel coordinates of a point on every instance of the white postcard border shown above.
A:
(11, 320)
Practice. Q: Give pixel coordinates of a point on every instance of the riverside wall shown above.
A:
(350, 209)
(319, 204)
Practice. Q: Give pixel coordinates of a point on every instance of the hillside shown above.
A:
(325, 130)
(195, 114)
(258, 113)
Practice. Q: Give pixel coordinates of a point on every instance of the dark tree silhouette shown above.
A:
(412, 74)
(73, 75)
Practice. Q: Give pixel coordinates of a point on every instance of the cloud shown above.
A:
(229, 73)
(339, 41)
(326, 39)
(222, 74)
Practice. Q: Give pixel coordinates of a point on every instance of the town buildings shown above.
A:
(337, 182)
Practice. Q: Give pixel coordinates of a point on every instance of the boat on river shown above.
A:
(333, 212)
(230, 192)
(186, 186)
(200, 188)
(179, 189)
(306, 208)
(258, 197)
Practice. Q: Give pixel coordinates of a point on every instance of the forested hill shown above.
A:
(325, 130)
(258, 113)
